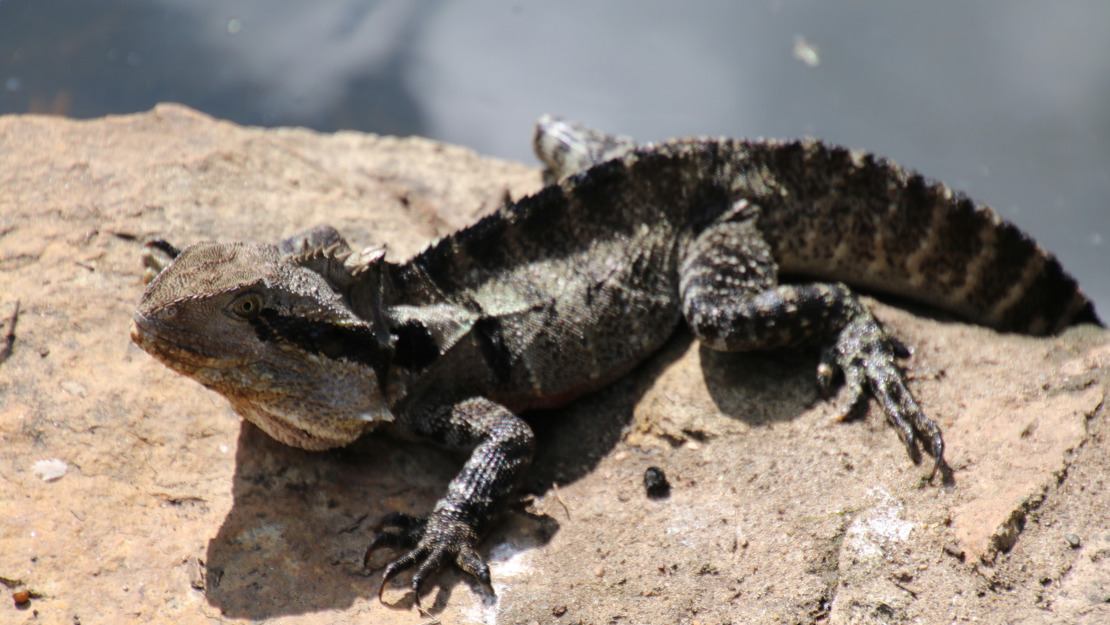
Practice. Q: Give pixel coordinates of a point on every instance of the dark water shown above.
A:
(1008, 100)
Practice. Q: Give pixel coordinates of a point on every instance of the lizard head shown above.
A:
(274, 336)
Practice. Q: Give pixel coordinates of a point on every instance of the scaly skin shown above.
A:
(564, 291)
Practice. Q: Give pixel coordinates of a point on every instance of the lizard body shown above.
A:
(562, 292)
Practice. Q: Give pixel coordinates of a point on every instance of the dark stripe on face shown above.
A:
(355, 344)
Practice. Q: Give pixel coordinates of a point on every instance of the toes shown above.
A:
(902, 410)
(906, 433)
(400, 564)
(827, 376)
(852, 400)
(470, 562)
(866, 353)
(930, 435)
(900, 349)
(431, 564)
(439, 539)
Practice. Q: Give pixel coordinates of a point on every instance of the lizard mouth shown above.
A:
(171, 349)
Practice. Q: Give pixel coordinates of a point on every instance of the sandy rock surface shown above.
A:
(131, 494)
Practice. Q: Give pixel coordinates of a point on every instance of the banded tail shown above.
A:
(844, 215)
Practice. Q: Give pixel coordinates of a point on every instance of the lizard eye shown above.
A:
(246, 307)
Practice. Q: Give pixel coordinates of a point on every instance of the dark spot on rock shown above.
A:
(655, 483)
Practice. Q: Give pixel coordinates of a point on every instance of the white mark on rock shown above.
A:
(50, 470)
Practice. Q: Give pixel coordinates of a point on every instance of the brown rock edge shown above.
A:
(171, 510)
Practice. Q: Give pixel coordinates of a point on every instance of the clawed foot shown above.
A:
(432, 542)
(864, 357)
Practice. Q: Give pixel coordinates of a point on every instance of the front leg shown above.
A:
(502, 445)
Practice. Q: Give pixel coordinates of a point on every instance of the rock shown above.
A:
(173, 510)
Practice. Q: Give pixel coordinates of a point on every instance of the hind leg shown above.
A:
(566, 147)
(732, 300)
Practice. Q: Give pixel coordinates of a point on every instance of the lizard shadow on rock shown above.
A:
(761, 388)
(300, 522)
(777, 385)
(572, 440)
(765, 387)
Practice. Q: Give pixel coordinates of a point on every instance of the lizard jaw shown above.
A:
(145, 333)
(259, 395)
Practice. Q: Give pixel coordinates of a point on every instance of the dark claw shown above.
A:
(164, 246)
(468, 560)
(938, 462)
(929, 432)
(471, 563)
(398, 529)
(828, 375)
(832, 375)
(911, 423)
(865, 353)
(909, 439)
(432, 562)
(400, 564)
(900, 349)
(432, 542)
